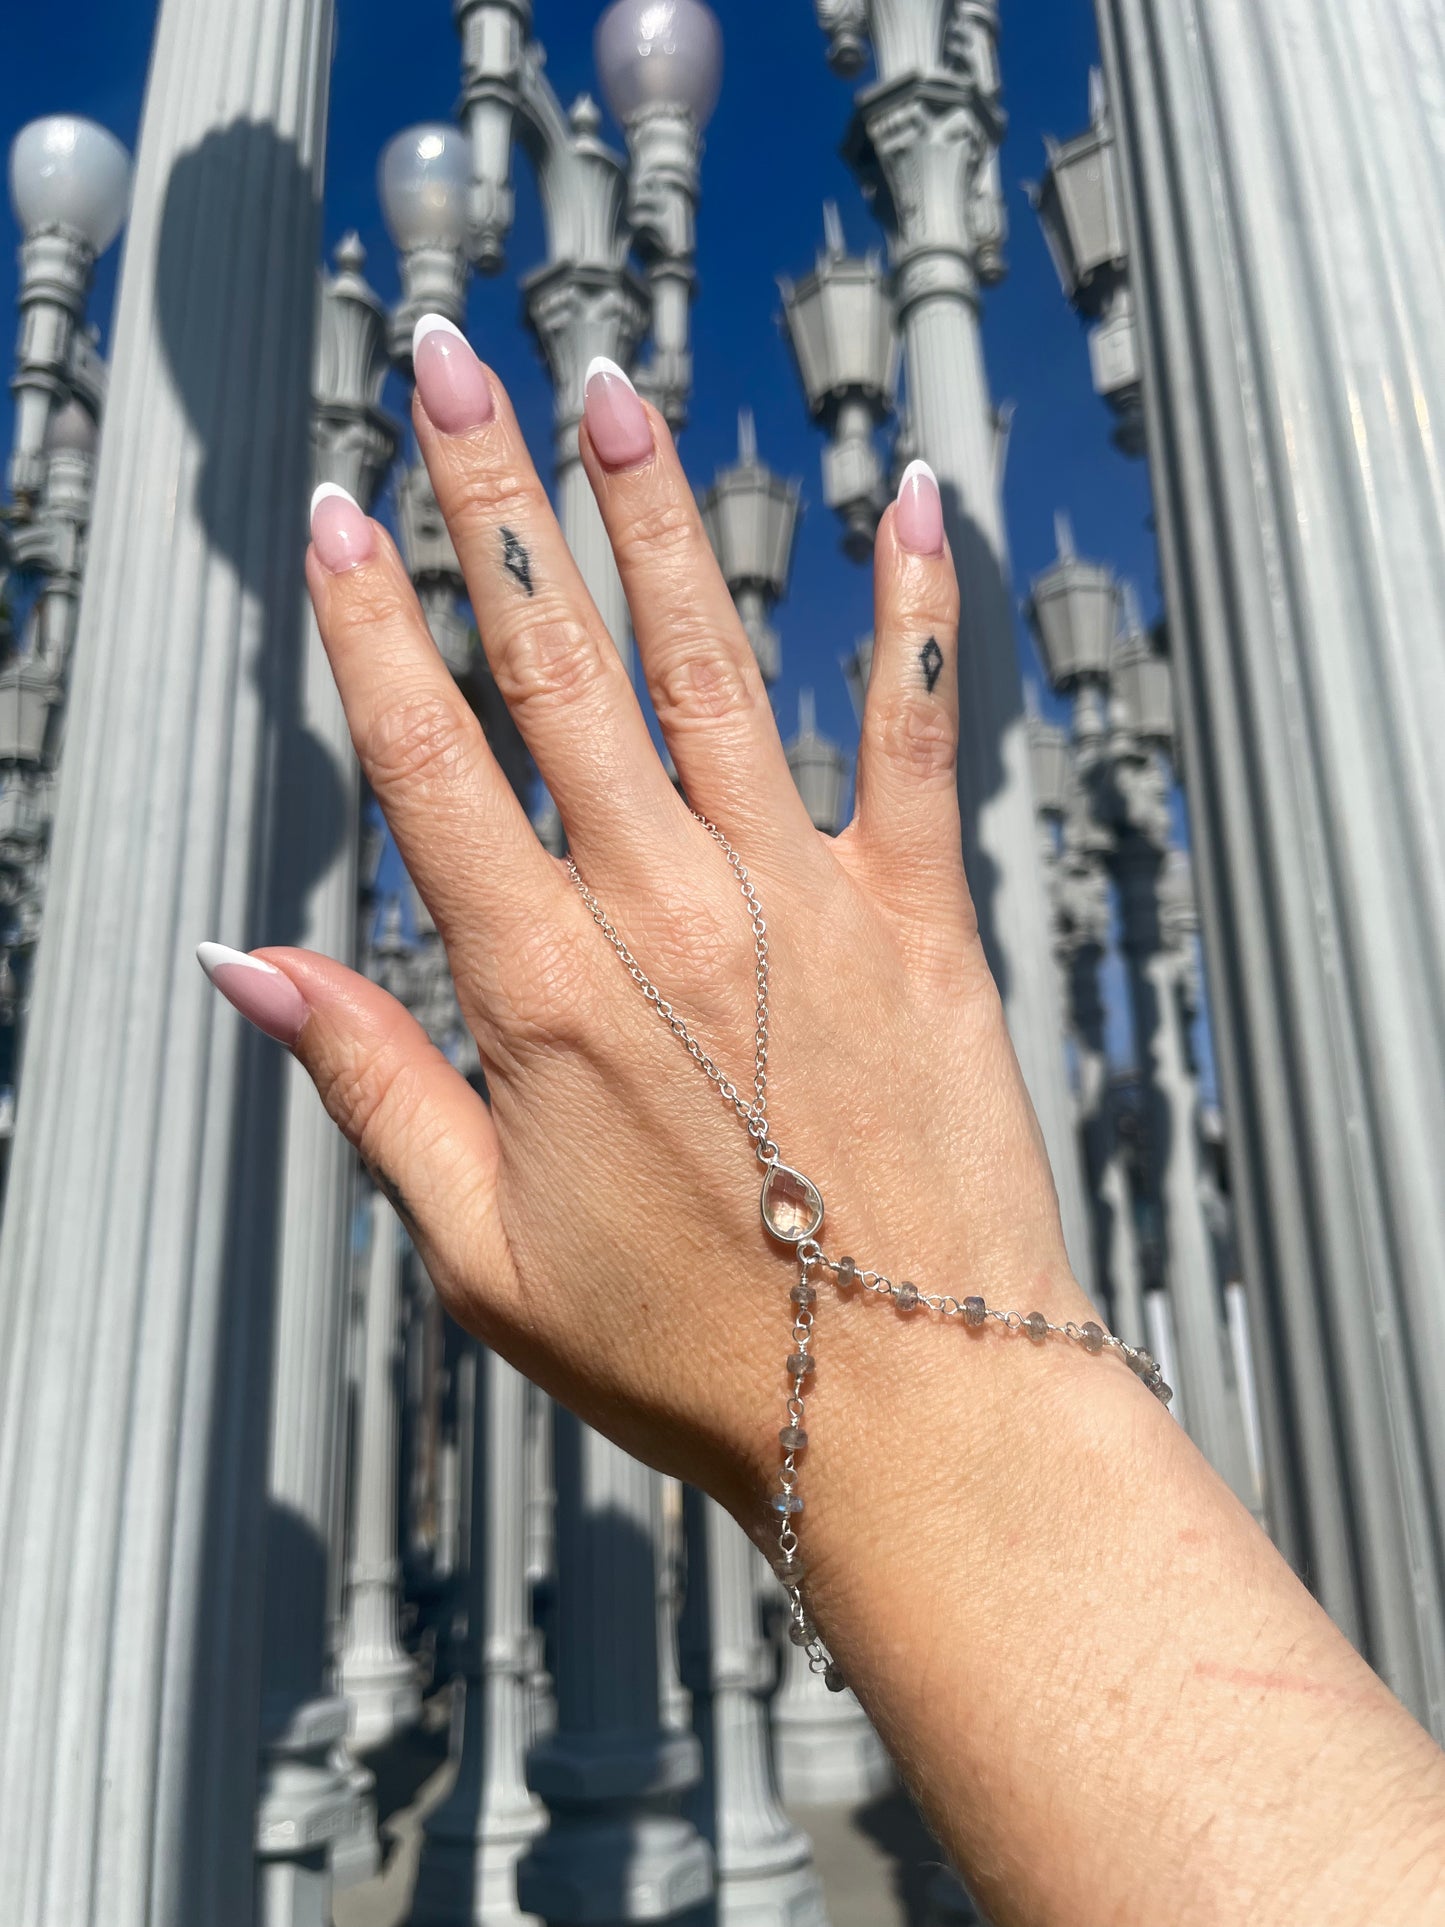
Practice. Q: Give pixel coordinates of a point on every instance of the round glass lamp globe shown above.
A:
(659, 53)
(68, 172)
(422, 185)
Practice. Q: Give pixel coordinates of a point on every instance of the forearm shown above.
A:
(1112, 1698)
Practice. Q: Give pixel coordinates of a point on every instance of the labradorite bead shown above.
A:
(1141, 1363)
(1093, 1337)
(800, 1635)
(847, 1273)
(974, 1311)
(792, 1438)
(803, 1295)
(905, 1296)
(1038, 1325)
(1162, 1392)
(799, 1364)
(833, 1679)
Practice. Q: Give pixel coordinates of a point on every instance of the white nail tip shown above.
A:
(600, 365)
(916, 468)
(430, 324)
(328, 489)
(211, 957)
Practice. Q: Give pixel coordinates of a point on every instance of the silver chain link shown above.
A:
(754, 1116)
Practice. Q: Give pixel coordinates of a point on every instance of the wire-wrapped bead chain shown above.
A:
(791, 1206)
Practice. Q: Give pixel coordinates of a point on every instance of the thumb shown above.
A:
(424, 1134)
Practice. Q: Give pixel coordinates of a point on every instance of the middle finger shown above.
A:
(555, 664)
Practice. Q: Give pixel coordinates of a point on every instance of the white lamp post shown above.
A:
(69, 188)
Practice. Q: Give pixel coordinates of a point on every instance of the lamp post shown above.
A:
(751, 517)
(841, 327)
(819, 766)
(306, 1795)
(69, 188)
(137, 1255)
(422, 187)
(1123, 724)
(924, 144)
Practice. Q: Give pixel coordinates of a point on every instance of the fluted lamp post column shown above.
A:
(137, 1253)
(841, 327)
(924, 144)
(751, 517)
(765, 1871)
(307, 1799)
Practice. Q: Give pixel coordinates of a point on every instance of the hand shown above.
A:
(597, 1221)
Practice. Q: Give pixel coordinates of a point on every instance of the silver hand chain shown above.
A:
(792, 1212)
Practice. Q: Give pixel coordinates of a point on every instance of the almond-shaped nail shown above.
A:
(262, 993)
(616, 420)
(919, 517)
(341, 532)
(451, 382)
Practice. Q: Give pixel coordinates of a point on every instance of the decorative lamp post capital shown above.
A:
(1049, 761)
(845, 22)
(354, 439)
(751, 518)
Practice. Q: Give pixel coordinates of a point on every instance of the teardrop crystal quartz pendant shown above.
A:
(792, 1205)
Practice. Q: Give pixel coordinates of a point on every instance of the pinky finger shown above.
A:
(907, 819)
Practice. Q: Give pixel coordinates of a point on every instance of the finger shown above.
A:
(420, 1128)
(553, 660)
(907, 818)
(457, 822)
(701, 671)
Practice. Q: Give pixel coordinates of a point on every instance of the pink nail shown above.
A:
(341, 534)
(451, 382)
(262, 993)
(919, 516)
(616, 419)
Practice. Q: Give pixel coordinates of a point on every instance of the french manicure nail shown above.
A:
(263, 994)
(451, 382)
(919, 517)
(616, 419)
(341, 533)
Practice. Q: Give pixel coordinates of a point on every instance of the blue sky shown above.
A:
(771, 161)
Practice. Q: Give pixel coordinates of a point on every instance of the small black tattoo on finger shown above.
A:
(930, 659)
(392, 1193)
(516, 561)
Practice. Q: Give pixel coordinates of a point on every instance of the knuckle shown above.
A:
(918, 735)
(480, 498)
(374, 1096)
(414, 738)
(700, 678)
(368, 599)
(548, 657)
(664, 528)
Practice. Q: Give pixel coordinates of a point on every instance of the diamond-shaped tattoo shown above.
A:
(931, 659)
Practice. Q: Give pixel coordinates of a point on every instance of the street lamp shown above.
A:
(422, 184)
(1142, 682)
(69, 188)
(1080, 209)
(751, 518)
(841, 325)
